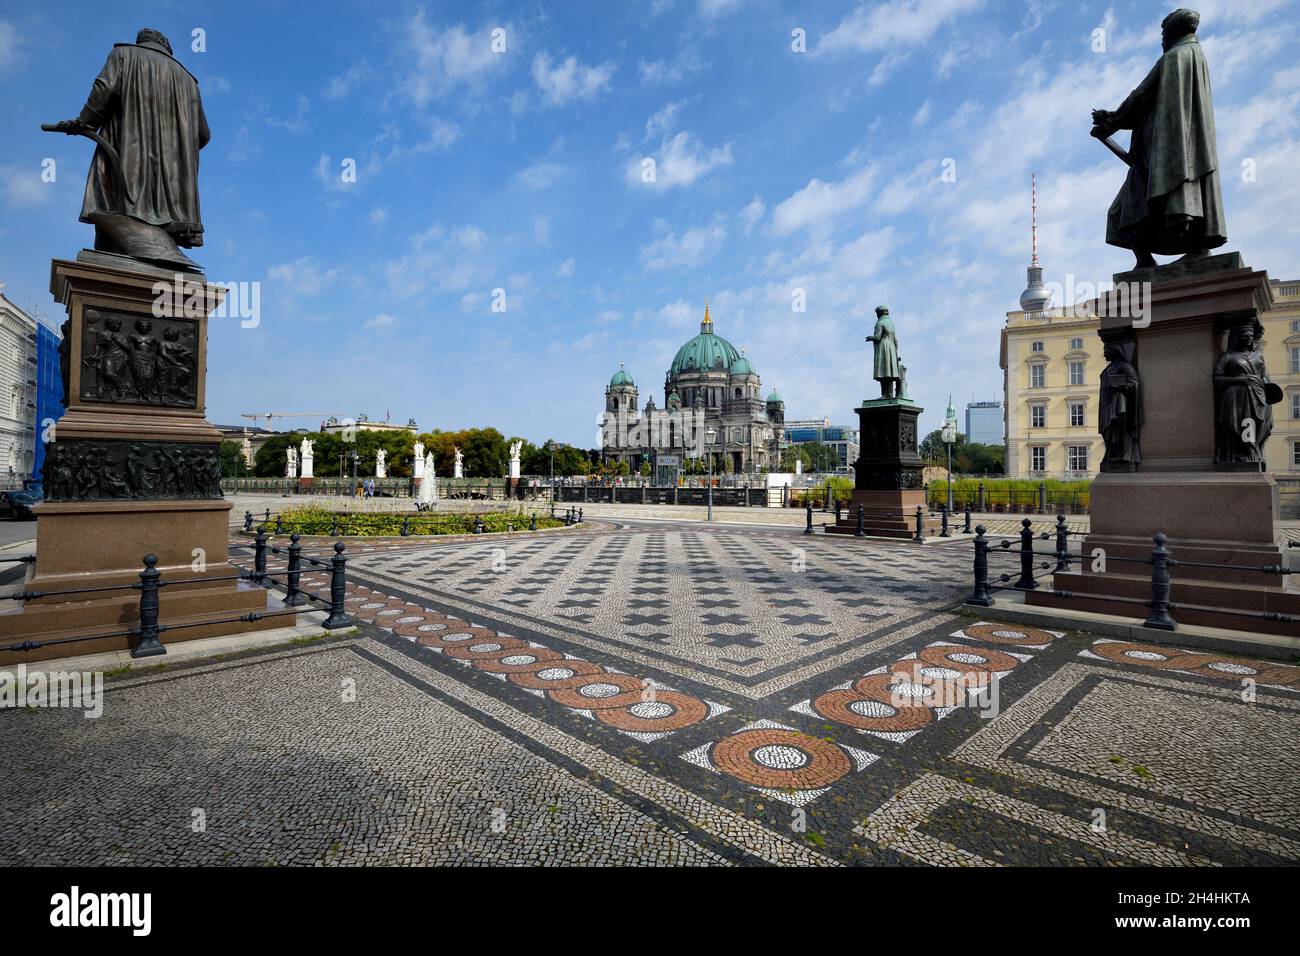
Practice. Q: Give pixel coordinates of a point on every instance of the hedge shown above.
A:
(389, 523)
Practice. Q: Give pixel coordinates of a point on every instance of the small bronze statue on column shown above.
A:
(1119, 419)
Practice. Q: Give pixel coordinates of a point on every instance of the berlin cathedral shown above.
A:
(713, 406)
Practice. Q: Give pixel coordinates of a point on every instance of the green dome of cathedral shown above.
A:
(742, 366)
(621, 378)
(775, 397)
(706, 352)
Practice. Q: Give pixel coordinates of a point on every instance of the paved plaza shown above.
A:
(668, 694)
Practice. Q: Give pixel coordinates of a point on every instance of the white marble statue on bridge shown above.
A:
(458, 469)
(381, 464)
(290, 463)
(515, 448)
(417, 464)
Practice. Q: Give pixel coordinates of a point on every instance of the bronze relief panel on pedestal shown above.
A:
(132, 359)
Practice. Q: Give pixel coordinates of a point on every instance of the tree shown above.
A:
(980, 459)
(934, 452)
(233, 465)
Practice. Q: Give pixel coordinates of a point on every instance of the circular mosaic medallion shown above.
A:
(521, 661)
(1003, 634)
(895, 715)
(548, 675)
(610, 690)
(777, 759)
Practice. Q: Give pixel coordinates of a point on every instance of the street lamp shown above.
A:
(356, 460)
(710, 436)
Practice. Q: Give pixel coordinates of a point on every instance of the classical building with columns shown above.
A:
(713, 405)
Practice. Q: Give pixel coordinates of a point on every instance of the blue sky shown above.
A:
(520, 170)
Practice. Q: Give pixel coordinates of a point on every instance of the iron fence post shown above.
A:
(259, 556)
(981, 498)
(406, 527)
(981, 595)
(278, 525)
(334, 527)
(1042, 497)
(293, 596)
(808, 529)
(862, 522)
(1026, 581)
(1160, 587)
(338, 590)
(1062, 544)
(147, 643)
(579, 516)
(248, 521)
(966, 528)
(919, 537)
(943, 530)
(837, 511)
(532, 525)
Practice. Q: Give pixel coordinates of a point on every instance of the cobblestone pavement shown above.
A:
(663, 694)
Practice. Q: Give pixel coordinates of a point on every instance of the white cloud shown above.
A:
(685, 63)
(567, 268)
(712, 9)
(662, 122)
(569, 79)
(690, 249)
(680, 161)
(540, 175)
(751, 214)
(303, 277)
(892, 24)
(447, 60)
(922, 115)
(439, 261)
(344, 83)
(819, 203)
(22, 185)
(381, 321)
(378, 216)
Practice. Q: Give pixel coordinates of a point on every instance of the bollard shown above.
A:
(248, 521)
(334, 527)
(338, 590)
(1042, 498)
(809, 530)
(293, 596)
(981, 595)
(1160, 586)
(981, 507)
(1062, 544)
(862, 522)
(579, 516)
(919, 537)
(943, 529)
(1026, 580)
(147, 643)
(278, 525)
(268, 515)
(552, 509)
(406, 527)
(837, 511)
(532, 525)
(259, 556)
(966, 528)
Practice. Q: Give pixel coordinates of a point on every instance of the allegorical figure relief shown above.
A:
(89, 470)
(146, 115)
(1243, 396)
(1171, 202)
(142, 367)
(887, 368)
(1119, 418)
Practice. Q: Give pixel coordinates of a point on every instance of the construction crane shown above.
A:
(271, 416)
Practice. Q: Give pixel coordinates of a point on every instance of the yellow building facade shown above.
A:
(1051, 362)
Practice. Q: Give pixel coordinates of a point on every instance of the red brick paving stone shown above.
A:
(529, 676)
(835, 705)
(630, 691)
(686, 710)
(541, 658)
(993, 661)
(487, 648)
(939, 691)
(454, 636)
(1013, 635)
(825, 762)
(1194, 662)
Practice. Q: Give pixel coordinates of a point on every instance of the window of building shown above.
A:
(1078, 457)
(1038, 375)
(1037, 346)
(1076, 373)
(1037, 416)
(1038, 458)
(1295, 359)
(1076, 414)
(1076, 344)
(1295, 454)
(1295, 325)
(1295, 404)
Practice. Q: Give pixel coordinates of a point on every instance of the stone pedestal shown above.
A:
(132, 468)
(1177, 325)
(888, 482)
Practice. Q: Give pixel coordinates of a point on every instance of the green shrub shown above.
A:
(1013, 493)
(320, 521)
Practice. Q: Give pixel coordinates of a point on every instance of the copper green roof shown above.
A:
(706, 352)
(622, 378)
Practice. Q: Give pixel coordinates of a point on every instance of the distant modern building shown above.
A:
(18, 342)
(984, 424)
(49, 393)
(842, 438)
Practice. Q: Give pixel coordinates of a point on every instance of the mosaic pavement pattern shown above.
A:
(476, 718)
